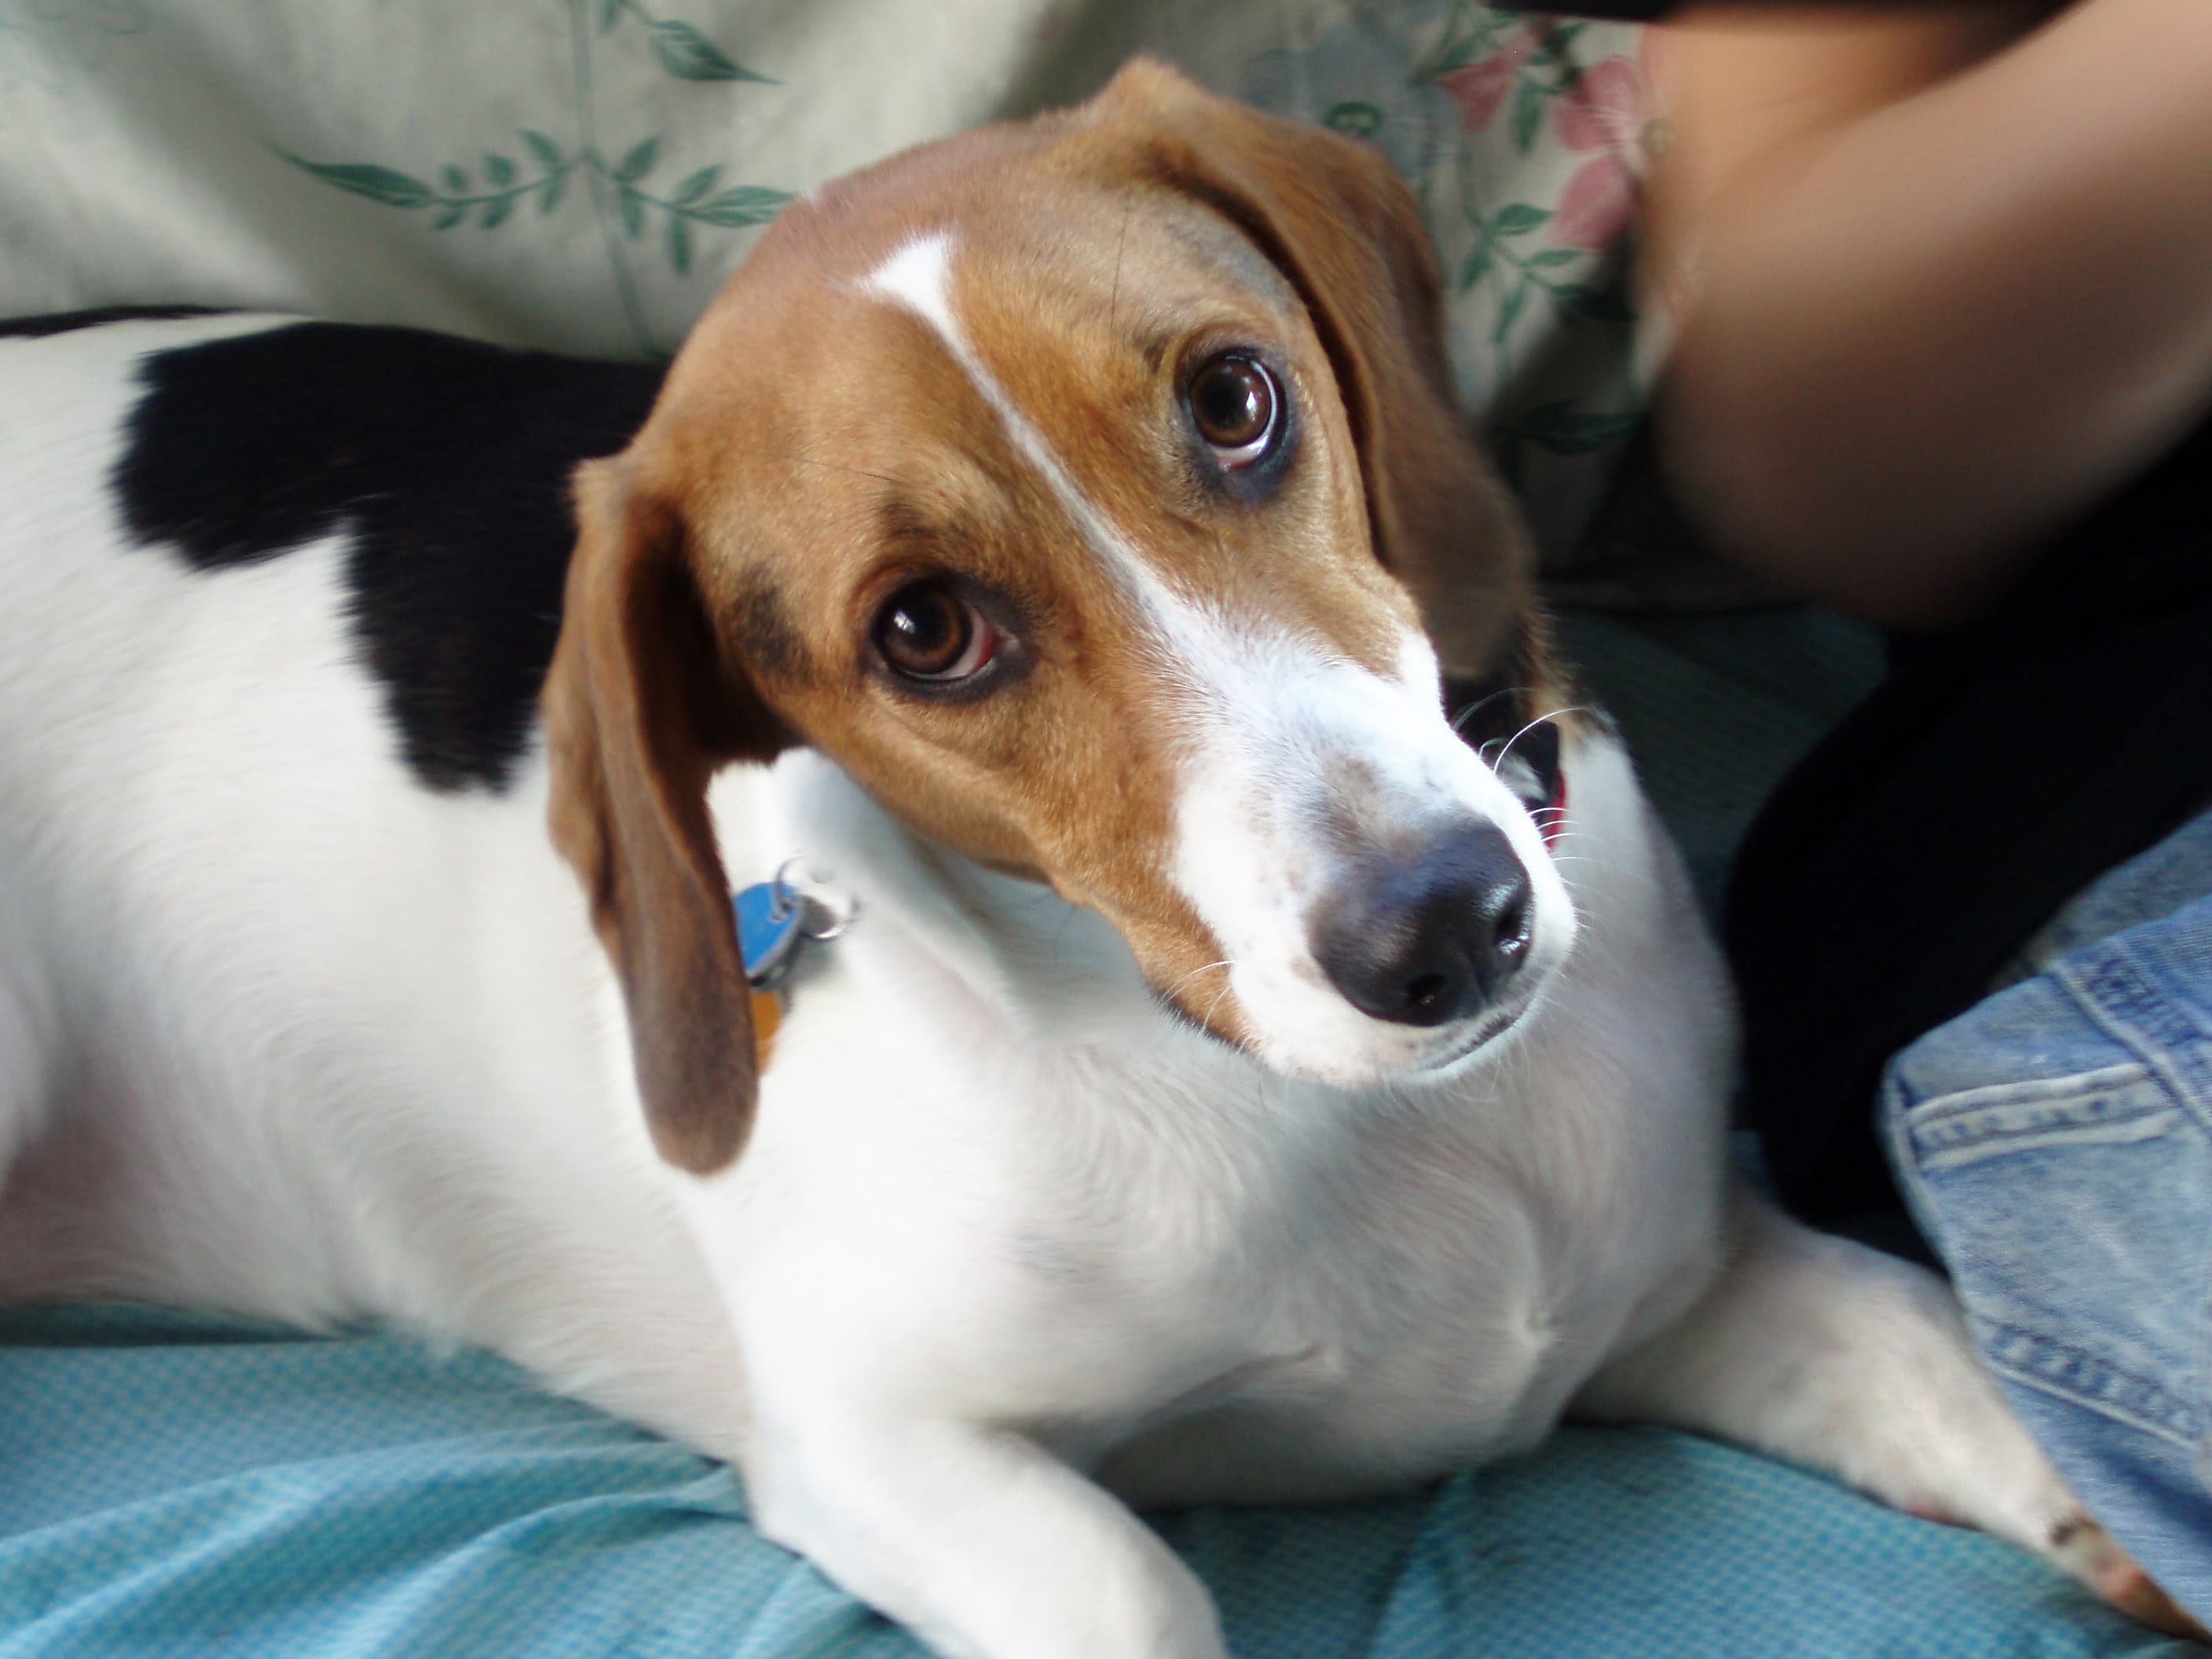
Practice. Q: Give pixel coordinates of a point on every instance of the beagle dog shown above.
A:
(1044, 569)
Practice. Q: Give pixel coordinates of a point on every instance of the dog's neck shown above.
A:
(1055, 973)
(993, 963)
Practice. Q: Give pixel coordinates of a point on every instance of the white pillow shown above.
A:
(583, 175)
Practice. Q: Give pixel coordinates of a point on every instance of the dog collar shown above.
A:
(777, 919)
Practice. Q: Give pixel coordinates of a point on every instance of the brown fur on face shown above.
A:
(817, 447)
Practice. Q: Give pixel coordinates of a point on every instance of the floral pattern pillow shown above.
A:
(583, 175)
(1527, 138)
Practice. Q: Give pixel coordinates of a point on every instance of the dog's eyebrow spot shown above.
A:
(767, 639)
(899, 520)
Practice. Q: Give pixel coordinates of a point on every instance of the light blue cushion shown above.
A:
(172, 1488)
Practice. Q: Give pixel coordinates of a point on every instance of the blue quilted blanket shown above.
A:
(171, 1487)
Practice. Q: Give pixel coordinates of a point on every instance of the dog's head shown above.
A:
(1091, 491)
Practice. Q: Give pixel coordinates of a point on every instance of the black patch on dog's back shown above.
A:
(448, 462)
(68, 322)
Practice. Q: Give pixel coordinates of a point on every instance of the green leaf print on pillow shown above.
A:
(685, 51)
(384, 184)
(621, 203)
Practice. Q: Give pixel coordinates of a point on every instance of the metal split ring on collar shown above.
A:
(823, 912)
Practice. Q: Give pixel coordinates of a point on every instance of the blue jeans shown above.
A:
(2056, 1145)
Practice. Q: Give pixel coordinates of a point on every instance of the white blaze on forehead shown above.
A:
(1218, 654)
(919, 277)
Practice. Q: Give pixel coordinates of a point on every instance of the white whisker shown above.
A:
(1187, 978)
(1556, 713)
(1208, 1020)
(1460, 719)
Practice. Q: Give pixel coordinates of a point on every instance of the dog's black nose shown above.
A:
(1426, 940)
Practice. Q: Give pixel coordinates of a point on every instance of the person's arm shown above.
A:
(1946, 276)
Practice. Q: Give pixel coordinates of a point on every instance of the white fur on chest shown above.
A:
(985, 1150)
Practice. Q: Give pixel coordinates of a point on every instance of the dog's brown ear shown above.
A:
(639, 709)
(1344, 230)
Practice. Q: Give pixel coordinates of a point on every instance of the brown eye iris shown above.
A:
(927, 632)
(1233, 402)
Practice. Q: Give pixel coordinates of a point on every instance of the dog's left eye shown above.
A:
(1236, 407)
(927, 632)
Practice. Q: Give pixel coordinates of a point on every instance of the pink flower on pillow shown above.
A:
(1479, 88)
(1607, 108)
(1594, 207)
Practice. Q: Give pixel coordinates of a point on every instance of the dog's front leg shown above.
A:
(1836, 1356)
(975, 1538)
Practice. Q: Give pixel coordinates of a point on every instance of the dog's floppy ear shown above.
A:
(639, 709)
(1331, 215)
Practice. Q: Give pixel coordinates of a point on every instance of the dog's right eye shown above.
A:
(1235, 406)
(927, 633)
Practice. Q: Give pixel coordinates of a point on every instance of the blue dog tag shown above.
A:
(768, 918)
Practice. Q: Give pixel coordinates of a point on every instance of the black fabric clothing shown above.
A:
(1998, 771)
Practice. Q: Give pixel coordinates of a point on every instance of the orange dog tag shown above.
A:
(767, 1015)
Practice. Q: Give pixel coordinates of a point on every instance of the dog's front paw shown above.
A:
(2017, 1494)
(2087, 1551)
(980, 1542)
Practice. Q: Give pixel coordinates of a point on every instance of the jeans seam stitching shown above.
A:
(2189, 1437)
(2116, 1017)
(1932, 1129)
(1935, 1109)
